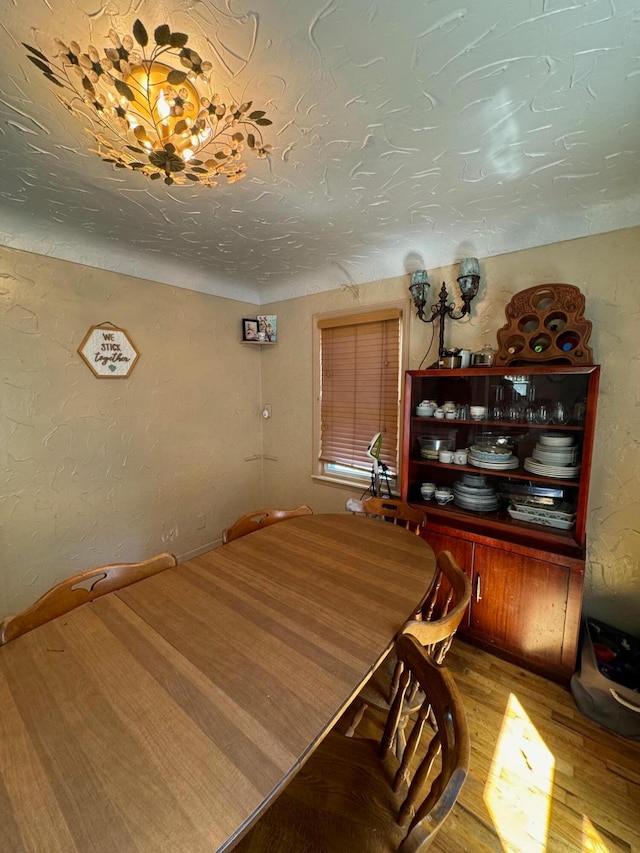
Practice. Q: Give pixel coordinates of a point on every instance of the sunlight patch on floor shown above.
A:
(519, 785)
(591, 839)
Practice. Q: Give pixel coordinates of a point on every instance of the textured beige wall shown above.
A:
(607, 270)
(98, 470)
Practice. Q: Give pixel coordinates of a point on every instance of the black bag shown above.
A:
(607, 686)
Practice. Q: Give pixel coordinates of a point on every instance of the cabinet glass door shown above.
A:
(523, 440)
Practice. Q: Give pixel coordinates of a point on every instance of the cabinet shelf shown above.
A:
(503, 425)
(515, 473)
(500, 522)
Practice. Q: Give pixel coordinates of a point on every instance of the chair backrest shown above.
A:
(397, 511)
(78, 589)
(443, 609)
(260, 518)
(431, 795)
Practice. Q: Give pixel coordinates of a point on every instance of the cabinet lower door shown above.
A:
(519, 604)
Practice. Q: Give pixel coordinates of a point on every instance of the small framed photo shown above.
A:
(268, 327)
(249, 330)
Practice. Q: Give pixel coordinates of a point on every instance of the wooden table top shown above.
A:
(164, 717)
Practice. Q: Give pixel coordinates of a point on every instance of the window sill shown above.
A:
(344, 483)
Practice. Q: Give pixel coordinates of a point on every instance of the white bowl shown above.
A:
(425, 411)
(554, 440)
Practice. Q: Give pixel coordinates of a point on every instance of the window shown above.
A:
(358, 358)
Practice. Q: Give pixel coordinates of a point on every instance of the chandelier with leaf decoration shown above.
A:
(143, 102)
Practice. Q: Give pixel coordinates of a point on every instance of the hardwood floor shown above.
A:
(543, 778)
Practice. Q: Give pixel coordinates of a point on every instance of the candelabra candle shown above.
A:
(469, 266)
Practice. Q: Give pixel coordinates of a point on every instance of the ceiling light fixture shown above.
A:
(468, 281)
(148, 115)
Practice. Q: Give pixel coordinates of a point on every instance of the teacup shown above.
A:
(427, 490)
(446, 456)
(451, 416)
(443, 496)
(460, 457)
(439, 413)
(478, 412)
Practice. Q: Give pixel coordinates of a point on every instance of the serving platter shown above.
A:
(494, 466)
(547, 521)
(549, 506)
(490, 455)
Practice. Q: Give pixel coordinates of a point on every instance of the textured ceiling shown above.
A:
(406, 134)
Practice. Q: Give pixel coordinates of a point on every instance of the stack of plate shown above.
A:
(554, 456)
(557, 515)
(550, 439)
(492, 457)
(469, 479)
(564, 472)
(471, 492)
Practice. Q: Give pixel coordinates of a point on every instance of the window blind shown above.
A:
(360, 387)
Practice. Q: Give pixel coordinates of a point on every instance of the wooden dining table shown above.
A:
(166, 716)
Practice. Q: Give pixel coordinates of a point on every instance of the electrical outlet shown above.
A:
(201, 521)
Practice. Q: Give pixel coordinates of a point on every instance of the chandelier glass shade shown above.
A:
(143, 102)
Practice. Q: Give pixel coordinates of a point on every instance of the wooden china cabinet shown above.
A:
(527, 578)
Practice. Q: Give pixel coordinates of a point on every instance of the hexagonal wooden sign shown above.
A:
(109, 351)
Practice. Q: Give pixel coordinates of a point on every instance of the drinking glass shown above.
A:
(579, 411)
(560, 414)
(515, 413)
(531, 410)
(497, 411)
(543, 414)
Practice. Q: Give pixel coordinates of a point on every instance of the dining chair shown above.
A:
(440, 615)
(396, 511)
(78, 589)
(260, 518)
(354, 795)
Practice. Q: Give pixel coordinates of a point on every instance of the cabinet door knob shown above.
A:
(478, 592)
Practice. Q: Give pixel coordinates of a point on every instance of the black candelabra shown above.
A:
(468, 281)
